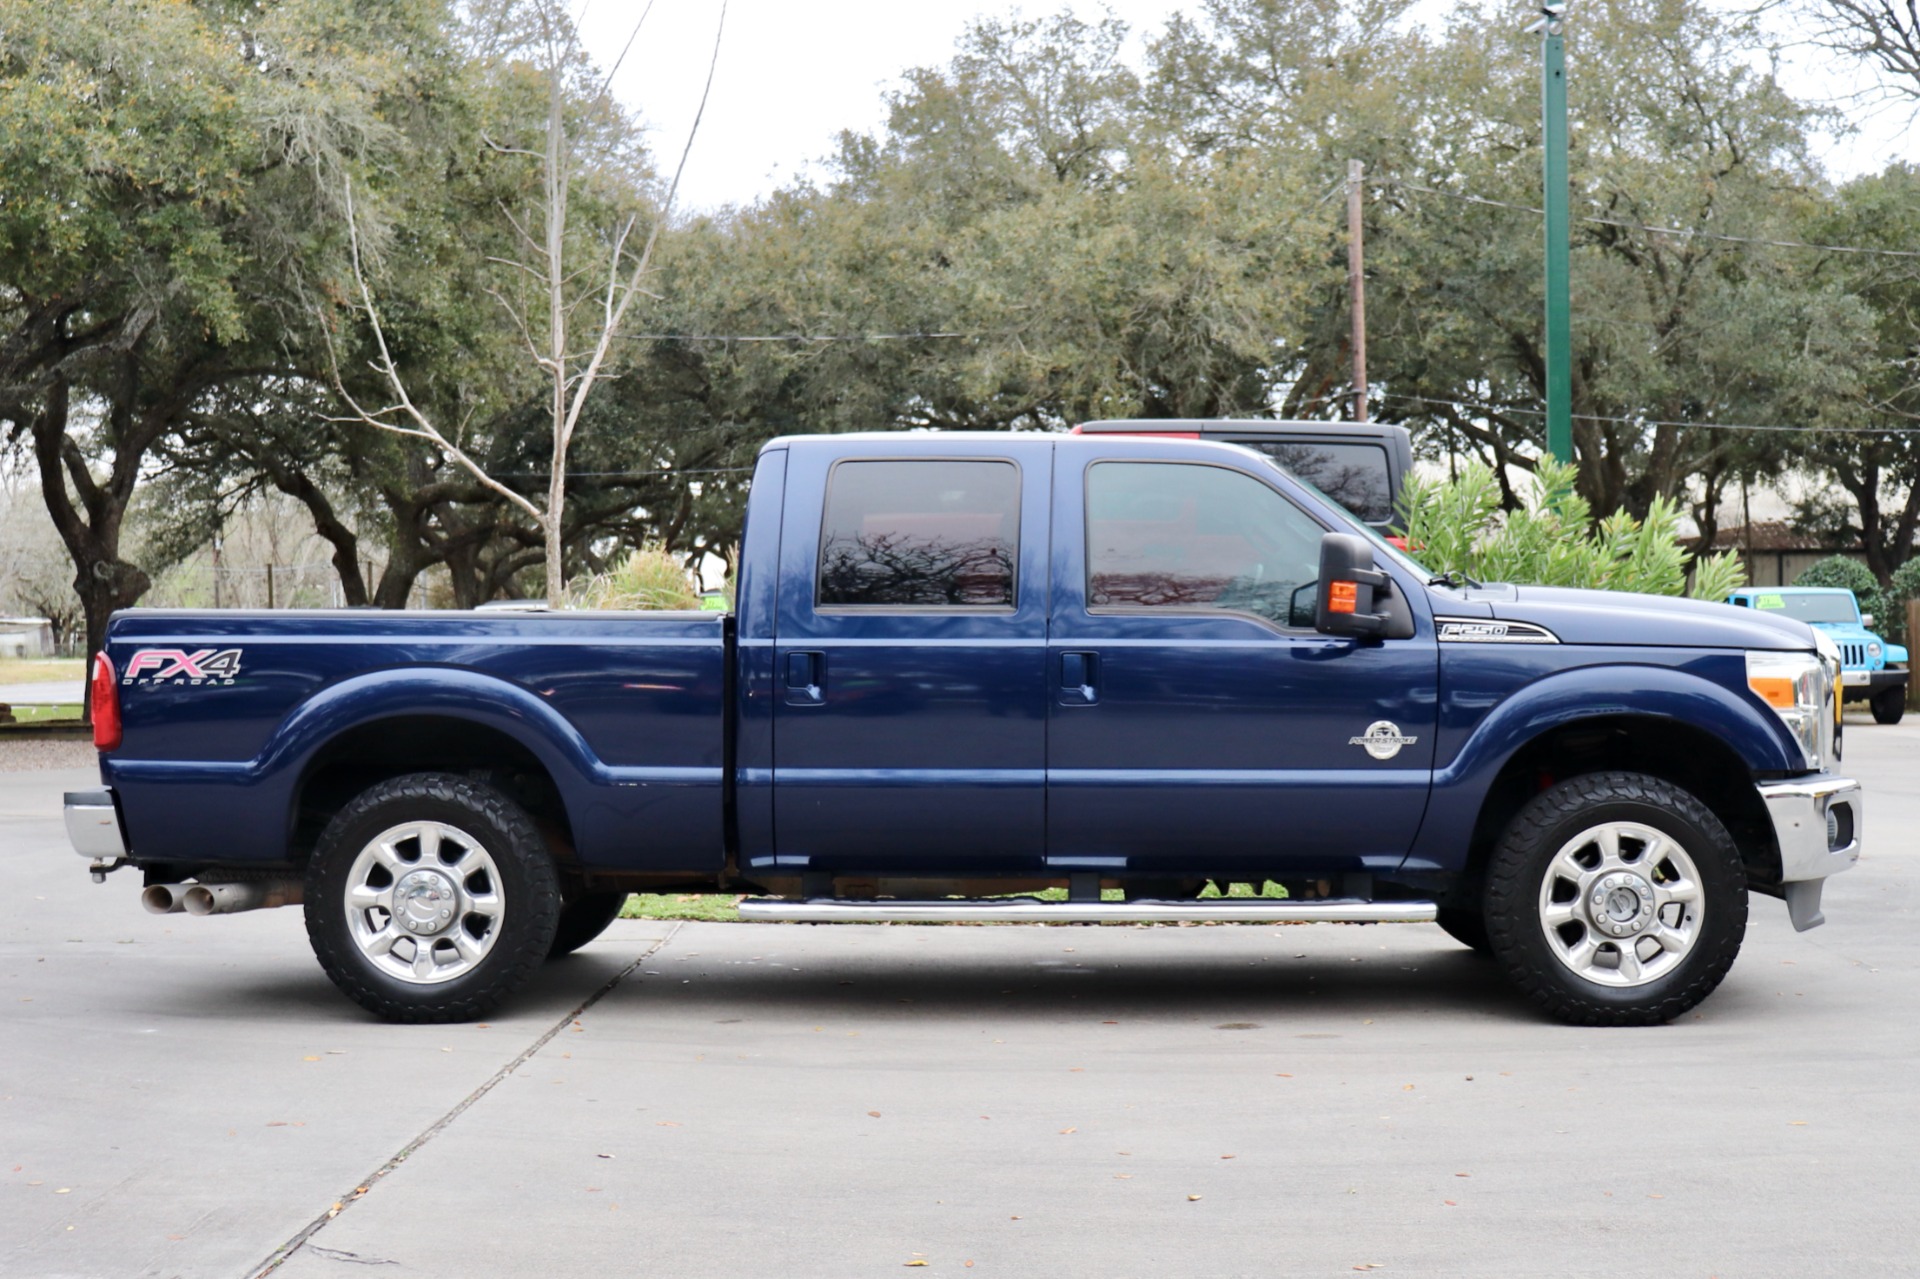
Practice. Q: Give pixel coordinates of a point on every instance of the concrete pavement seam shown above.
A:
(365, 1186)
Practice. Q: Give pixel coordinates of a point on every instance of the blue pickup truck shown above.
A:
(966, 668)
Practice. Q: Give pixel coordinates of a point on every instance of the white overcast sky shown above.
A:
(793, 73)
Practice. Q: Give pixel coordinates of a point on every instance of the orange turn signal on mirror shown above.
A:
(1774, 690)
(1342, 597)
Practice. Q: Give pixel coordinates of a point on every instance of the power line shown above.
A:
(1648, 421)
(663, 473)
(1683, 232)
(790, 337)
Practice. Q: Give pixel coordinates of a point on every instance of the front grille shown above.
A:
(1853, 654)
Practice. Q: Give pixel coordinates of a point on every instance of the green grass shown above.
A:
(30, 670)
(719, 908)
(68, 713)
(705, 907)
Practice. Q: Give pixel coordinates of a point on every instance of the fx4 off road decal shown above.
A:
(207, 667)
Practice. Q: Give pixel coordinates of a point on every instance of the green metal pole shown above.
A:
(1553, 113)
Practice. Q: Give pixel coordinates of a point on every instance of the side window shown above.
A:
(920, 534)
(1354, 475)
(1182, 536)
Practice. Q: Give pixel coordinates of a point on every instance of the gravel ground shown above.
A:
(22, 755)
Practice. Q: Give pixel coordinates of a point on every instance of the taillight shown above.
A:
(104, 703)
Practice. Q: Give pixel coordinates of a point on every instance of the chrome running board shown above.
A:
(1031, 910)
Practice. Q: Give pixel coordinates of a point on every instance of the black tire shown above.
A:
(1890, 706)
(1468, 927)
(584, 918)
(471, 873)
(1540, 871)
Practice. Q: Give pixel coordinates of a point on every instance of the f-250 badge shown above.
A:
(1382, 739)
(207, 667)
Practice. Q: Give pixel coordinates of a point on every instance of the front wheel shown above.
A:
(1890, 706)
(1616, 899)
(431, 898)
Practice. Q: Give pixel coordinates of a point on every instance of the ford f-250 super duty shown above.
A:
(966, 667)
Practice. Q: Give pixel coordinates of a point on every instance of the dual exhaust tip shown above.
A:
(220, 899)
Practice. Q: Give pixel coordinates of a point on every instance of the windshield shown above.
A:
(1380, 544)
(1809, 608)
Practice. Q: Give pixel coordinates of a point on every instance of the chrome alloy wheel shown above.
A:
(423, 902)
(1621, 904)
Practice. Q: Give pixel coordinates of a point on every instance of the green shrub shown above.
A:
(1838, 570)
(1457, 527)
(1906, 586)
(649, 578)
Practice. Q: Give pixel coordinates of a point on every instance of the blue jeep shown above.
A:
(1871, 670)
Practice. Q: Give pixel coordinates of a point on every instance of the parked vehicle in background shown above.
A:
(1871, 670)
(1361, 465)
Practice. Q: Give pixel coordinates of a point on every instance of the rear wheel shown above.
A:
(584, 918)
(431, 898)
(1616, 899)
(1890, 706)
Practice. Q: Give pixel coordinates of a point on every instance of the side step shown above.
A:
(1031, 910)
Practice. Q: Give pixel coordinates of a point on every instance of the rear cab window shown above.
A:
(934, 534)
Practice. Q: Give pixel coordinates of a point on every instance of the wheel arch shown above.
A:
(1689, 757)
(388, 746)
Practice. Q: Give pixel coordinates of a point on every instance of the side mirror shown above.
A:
(1348, 588)
(1866, 619)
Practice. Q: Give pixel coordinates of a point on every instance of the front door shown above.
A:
(909, 679)
(1199, 726)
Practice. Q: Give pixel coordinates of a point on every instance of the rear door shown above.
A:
(909, 681)
(1199, 725)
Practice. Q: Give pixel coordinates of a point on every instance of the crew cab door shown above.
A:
(1197, 728)
(909, 681)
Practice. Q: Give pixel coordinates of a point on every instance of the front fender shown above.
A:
(1679, 694)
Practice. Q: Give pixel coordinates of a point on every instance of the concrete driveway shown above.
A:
(186, 1096)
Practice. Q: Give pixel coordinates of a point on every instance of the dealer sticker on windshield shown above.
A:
(1770, 601)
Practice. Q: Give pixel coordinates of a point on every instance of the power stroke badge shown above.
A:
(207, 667)
(1382, 739)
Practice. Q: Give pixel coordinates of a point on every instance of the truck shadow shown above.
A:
(1444, 982)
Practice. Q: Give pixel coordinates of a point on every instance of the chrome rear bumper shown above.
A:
(93, 825)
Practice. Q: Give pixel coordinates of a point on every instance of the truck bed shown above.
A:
(625, 713)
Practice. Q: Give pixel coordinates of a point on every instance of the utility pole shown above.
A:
(1357, 288)
(1553, 136)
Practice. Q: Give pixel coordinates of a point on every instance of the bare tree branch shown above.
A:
(424, 429)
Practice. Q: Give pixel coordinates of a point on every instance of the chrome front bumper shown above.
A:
(93, 825)
(1816, 826)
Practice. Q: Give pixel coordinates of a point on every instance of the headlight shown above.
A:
(1873, 650)
(1798, 686)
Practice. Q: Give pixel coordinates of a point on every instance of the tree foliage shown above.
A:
(1042, 231)
(1551, 539)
